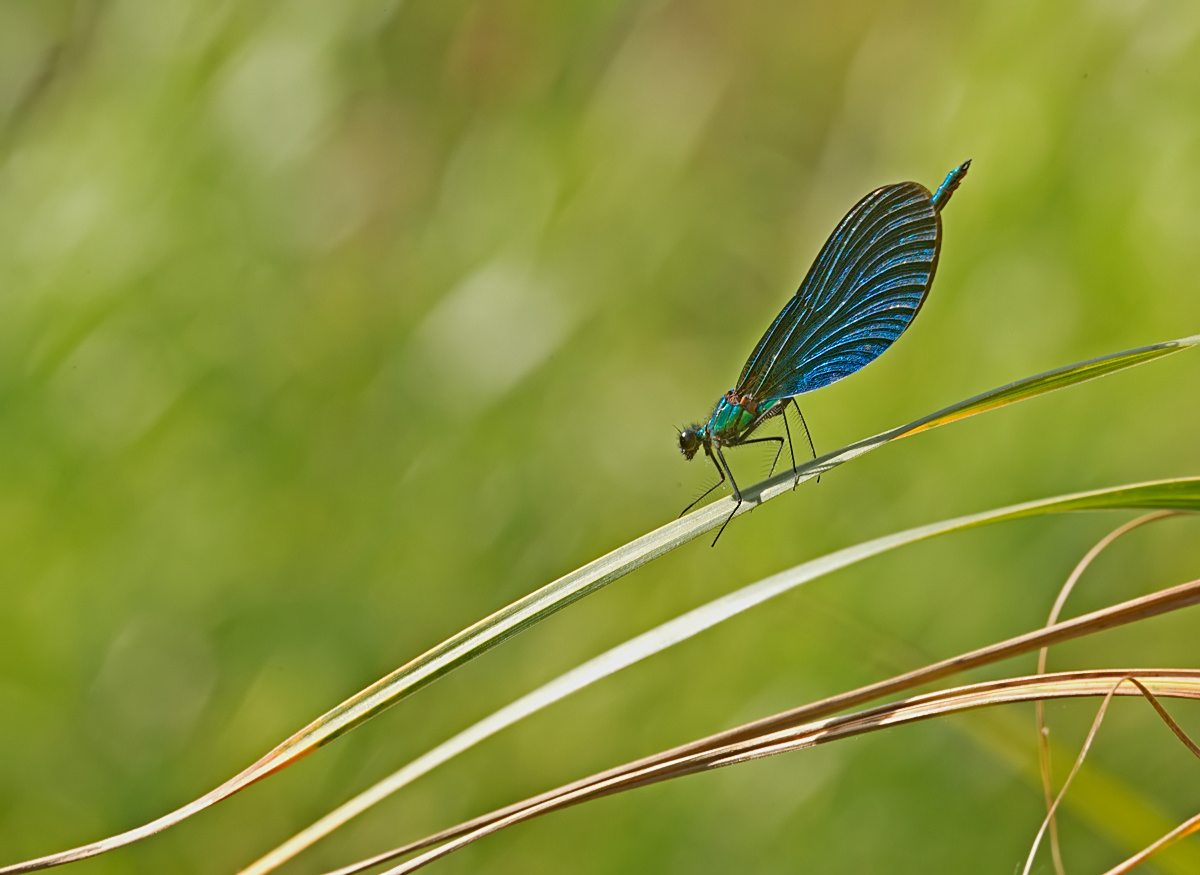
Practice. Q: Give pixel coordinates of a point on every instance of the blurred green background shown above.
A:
(328, 328)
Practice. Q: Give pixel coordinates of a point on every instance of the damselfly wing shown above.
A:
(865, 288)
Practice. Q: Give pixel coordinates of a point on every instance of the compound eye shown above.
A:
(689, 442)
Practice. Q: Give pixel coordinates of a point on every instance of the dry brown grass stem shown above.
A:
(1181, 683)
(1039, 708)
(1183, 830)
(1087, 744)
(762, 737)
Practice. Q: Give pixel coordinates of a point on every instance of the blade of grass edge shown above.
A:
(530, 609)
(1178, 494)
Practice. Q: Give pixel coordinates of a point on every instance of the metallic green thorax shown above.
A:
(731, 422)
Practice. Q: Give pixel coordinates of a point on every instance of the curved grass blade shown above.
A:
(1181, 494)
(1172, 683)
(553, 597)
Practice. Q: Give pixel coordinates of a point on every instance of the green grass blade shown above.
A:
(531, 609)
(1179, 494)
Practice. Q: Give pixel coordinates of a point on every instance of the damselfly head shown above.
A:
(690, 441)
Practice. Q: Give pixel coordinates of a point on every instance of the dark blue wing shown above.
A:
(864, 289)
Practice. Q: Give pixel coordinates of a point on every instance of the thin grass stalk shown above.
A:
(1044, 764)
(1162, 712)
(1124, 613)
(1087, 744)
(1183, 830)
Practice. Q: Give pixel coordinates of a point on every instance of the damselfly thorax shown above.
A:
(736, 417)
